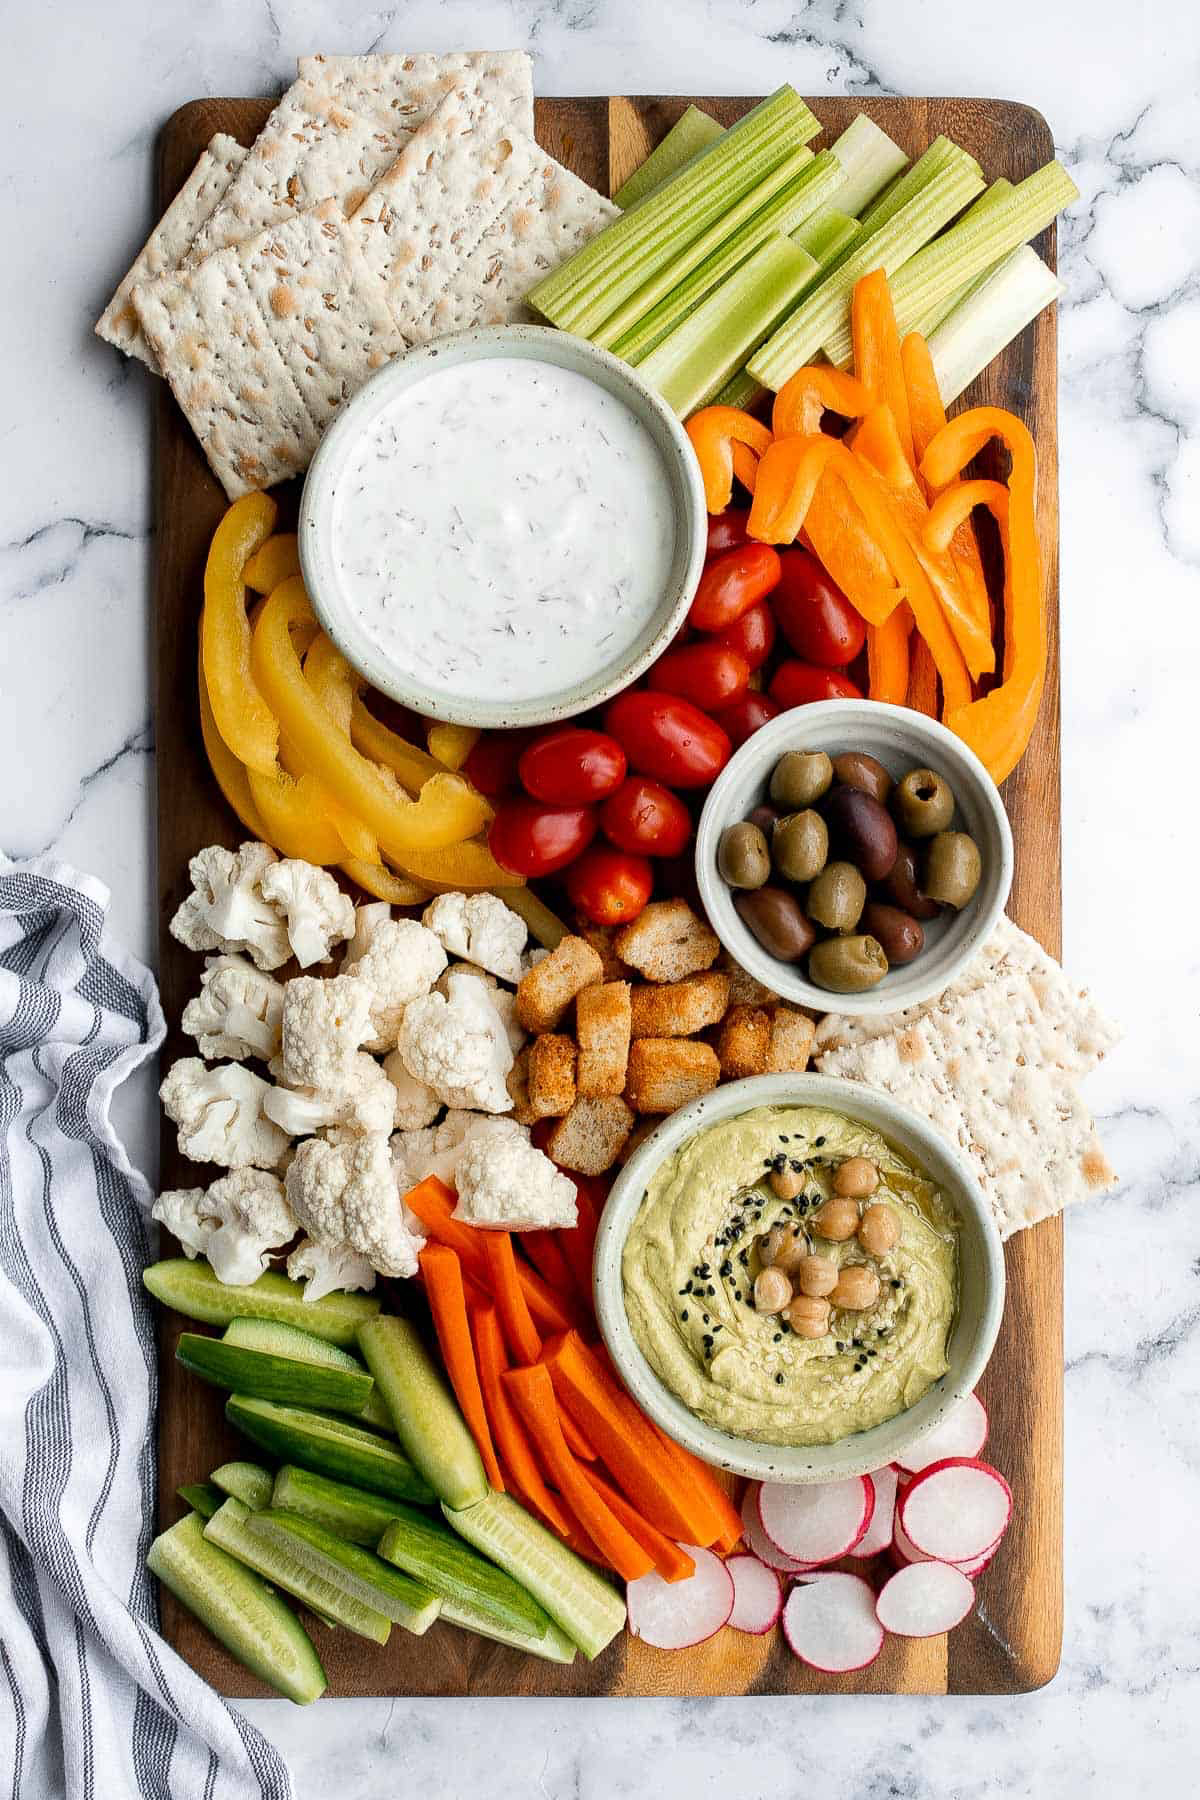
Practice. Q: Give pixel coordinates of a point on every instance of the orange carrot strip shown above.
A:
(545, 1253)
(433, 1202)
(579, 1241)
(520, 1332)
(516, 1455)
(443, 1278)
(877, 353)
(671, 1560)
(693, 1470)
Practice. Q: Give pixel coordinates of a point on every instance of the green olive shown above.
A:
(847, 965)
(923, 804)
(743, 856)
(800, 777)
(952, 868)
(800, 845)
(855, 769)
(837, 897)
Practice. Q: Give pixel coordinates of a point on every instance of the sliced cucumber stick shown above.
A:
(424, 1413)
(245, 1481)
(349, 1512)
(201, 1496)
(428, 1552)
(271, 1377)
(229, 1529)
(191, 1288)
(330, 1445)
(359, 1573)
(552, 1644)
(288, 1340)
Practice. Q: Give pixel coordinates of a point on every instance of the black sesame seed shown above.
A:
(721, 1328)
(895, 1284)
(839, 1346)
(684, 1315)
(710, 1292)
(779, 1381)
(726, 1269)
(778, 1338)
(783, 1138)
(705, 1317)
(818, 1142)
(798, 1167)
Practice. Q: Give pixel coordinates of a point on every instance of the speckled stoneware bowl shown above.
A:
(901, 740)
(538, 344)
(980, 1264)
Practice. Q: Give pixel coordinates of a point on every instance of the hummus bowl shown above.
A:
(972, 1315)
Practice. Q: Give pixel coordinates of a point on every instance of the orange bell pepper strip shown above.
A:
(516, 1454)
(836, 533)
(374, 879)
(877, 353)
(928, 416)
(450, 745)
(243, 715)
(715, 433)
(442, 1274)
(228, 772)
(887, 658)
(922, 680)
(818, 388)
(275, 561)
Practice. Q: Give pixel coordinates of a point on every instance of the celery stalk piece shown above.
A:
(929, 321)
(700, 355)
(741, 391)
(1002, 304)
(941, 153)
(932, 273)
(827, 307)
(587, 289)
(789, 207)
(692, 132)
(826, 234)
(870, 160)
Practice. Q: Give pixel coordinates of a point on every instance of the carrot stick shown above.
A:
(692, 1469)
(433, 1202)
(671, 1560)
(514, 1447)
(545, 1253)
(877, 352)
(520, 1332)
(442, 1272)
(579, 1242)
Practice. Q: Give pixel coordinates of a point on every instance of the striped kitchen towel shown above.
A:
(92, 1701)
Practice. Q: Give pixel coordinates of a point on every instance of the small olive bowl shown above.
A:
(901, 740)
(536, 343)
(980, 1277)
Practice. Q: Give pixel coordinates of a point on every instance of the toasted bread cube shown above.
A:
(680, 1008)
(665, 1073)
(744, 988)
(550, 986)
(592, 1136)
(600, 937)
(551, 1075)
(792, 1035)
(743, 1042)
(667, 942)
(602, 1026)
(517, 1083)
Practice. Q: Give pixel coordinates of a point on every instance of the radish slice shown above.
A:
(815, 1523)
(878, 1535)
(757, 1595)
(963, 1432)
(830, 1623)
(977, 1564)
(674, 1615)
(956, 1509)
(924, 1600)
(903, 1545)
(761, 1545)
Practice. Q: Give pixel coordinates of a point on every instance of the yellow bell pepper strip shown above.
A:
(333, 681)
(379, 743)
(451, 744)
(877, 353)
(243, 717)
(545, 925)
(447, 811)
(922, 680)
(469, 866)
(292, 808)
(887, 657)
(805, 398)
(228, 772)
(373, 878)
(715, 432)
(275, 561)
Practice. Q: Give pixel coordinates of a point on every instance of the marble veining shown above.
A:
(87, 91)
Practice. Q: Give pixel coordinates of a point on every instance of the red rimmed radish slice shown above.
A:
(906, 1551)
(956, 1509)
(902, 1544)
(879, 1533)
(924, 1599)
(760, 1544)
(818, 1522)
(977, 1564)
(829, 1622)
(963, 1432)
(675, 1615)
(757, 1595)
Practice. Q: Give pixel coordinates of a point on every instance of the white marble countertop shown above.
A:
(87, 89)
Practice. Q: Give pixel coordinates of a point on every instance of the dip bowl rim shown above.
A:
(973, 1337)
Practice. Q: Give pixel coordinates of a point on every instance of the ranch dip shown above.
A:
(503, 528)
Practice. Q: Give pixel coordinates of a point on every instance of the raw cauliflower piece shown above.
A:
(456, 1043)
(504, 1001)
(227, 909)
(238, 1011)
(220, 1115)
(317, 913)
(416, 1105)
(414, 1157)
(328, 1269)
(416, 1154)
(236, 1224)
(367, 920)
(481, 929)
(324, 1026)
(400, 963)
(504, 1184)
(347, 1194)
(364, 1102)
(183, 1212)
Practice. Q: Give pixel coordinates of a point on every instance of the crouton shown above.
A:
(550, 986)
(743, 1042)
(517, 1082)
(744, 988)
(602, 1026)
(667, 942)
(791, 1042)
(600, 937)
(680, 1008)
(668, 1072)
(551, 1075)
(592, 1136)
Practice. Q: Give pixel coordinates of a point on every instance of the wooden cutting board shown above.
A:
(1012, 1642)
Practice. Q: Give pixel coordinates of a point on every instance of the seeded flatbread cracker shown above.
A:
(168, 243)
(265, 340)
(404, 91)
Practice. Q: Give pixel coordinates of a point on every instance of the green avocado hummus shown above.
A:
(690, 1261)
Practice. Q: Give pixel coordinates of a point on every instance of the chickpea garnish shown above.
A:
(856, 1178)
(786, 1183)
(816, 1276)
(772, 1291)
(836, 1220)
(808, 1316)
(880, 1229)
(782, 1247)
(857, 1288)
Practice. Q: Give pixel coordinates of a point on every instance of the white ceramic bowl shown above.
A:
(980, 1267)
(901, 740)
(539, 344)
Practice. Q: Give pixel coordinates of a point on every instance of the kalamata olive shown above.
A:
(799, 778)
(855, 769)
(777, 921)
(743, 856)
(861, 831)
(847, 965)
(766, 818)
(923, 803)
(800, 845)
(904, 888)
(952, 868)
(899, 933)
(836, 897)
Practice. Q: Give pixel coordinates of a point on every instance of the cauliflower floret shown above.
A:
(227, 909)
(458, 1046)
(364, 1102)
(480, 928)
(240, 1219)
(317, 913)
(503, 999)
(347, 1194)
(324, 1025)
(328, 1269)
(238, 1011)
(367, 920)
(505, 1184)
(220, 1115)
(186, 1217)
(416, 1105)
(414, 1157)
(400, 963)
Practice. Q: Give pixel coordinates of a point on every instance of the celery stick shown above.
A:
(586, 290)
(826, 234)
(929, 321)
(802, 334)
(940, 155)
(870, 160)
(741, 391)
(1002, 304)
(692, 132)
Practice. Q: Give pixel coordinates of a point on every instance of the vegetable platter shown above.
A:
(1012, 1640)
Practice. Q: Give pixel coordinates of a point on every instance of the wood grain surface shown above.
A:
(1012, 1642)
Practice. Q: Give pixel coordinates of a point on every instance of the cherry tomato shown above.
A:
(532, 839)
(743, 718)
(668, 739)
(709, 675)
(726, 531)
(646, 818)
(814, 615)
(732, 584)
(572, 767)
(492, 763)
(752, 636)
(796, 683)
(609, 887)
